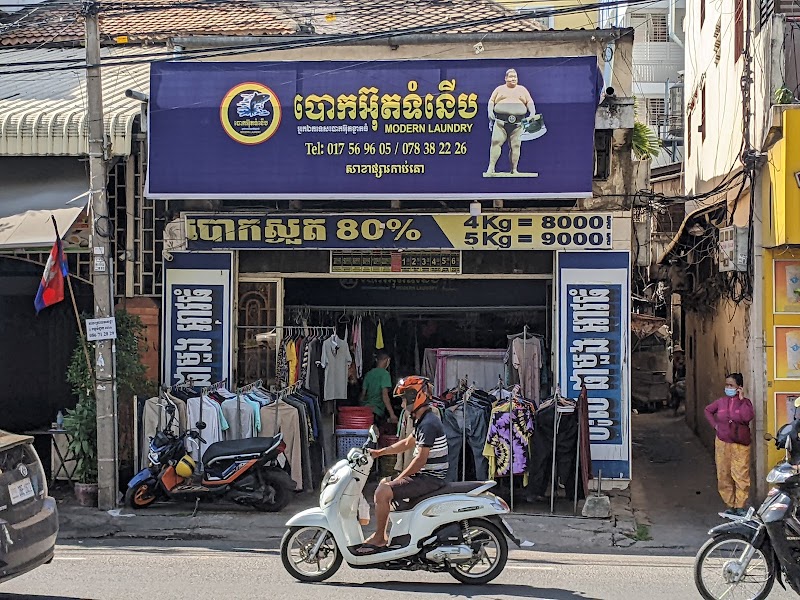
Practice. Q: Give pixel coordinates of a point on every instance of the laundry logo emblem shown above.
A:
(250, 113)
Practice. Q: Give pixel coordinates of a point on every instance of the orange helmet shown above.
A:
(415, 390)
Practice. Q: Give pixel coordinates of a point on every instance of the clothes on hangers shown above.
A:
(215, 421)
(540, 469)
(471, 415)
(358, 348)
(526, 357)
(154, 419)
(240, 415)
(509, 433)
(313, 377)
(429, 364)
(379, 337)
(335, 360)
(280, 417)
(291, 361)
(282, 373)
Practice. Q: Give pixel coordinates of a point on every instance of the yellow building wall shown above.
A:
(783, 220)
(579, 20)
(781, 223)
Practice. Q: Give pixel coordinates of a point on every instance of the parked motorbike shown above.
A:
(245, 471)
(458, 529)
(744, 557)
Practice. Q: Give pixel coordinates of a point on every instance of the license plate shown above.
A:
(20, 490)
(508, 527)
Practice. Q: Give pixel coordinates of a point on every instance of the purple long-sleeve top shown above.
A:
(729, 415)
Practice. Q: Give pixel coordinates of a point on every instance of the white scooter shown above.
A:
(457, 529)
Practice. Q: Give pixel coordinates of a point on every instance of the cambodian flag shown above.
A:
(51, 289)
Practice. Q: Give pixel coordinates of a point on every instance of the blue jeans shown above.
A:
(477, 428)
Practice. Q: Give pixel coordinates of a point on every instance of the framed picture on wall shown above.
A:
(786, 286)
(787, 352)
(785, 410)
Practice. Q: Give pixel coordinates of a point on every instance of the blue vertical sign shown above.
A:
(594, 327)
(197, 318)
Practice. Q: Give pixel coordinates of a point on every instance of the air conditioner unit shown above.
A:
(733, 248)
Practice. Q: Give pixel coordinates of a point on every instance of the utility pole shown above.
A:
(102, 267)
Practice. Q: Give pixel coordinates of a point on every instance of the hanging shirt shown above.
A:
(379, 337)
(335, 360)
(215, 424)
(527, 359)
(358, 349)
(291, 362)
(509, 432)
(283, 365)
(280, 417)
(241, 420)
(312, 381)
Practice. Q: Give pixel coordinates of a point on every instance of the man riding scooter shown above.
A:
(427, 471)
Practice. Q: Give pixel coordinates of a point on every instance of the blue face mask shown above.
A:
(731, 392)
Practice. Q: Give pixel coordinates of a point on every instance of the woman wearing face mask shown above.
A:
(730, 417)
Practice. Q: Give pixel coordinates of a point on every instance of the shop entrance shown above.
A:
(459, 332)
(424, 314)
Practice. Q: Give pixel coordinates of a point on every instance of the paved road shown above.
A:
(177, 570)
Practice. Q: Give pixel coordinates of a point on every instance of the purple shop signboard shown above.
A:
(494, 128)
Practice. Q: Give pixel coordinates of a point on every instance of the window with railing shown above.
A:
(650, 27)
(656, 112)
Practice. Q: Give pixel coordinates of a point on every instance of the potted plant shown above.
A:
(80, 423)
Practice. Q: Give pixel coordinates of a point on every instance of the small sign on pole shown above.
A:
(101, 329)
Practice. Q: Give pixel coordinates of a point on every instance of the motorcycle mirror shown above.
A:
(769, 437)
(374, 434)
(200, 425)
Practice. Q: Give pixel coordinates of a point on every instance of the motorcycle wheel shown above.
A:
(141, 495)
(716, 559)
(277, 491)
(492, 546)
(295, 549)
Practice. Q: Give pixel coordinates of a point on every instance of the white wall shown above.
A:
(711, 160)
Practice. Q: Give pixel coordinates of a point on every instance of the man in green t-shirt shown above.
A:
(375, 391)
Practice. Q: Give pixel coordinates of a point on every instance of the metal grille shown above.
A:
(656, 112)
(257, 312)
(79, 262)
(658, 30)
(138, 241)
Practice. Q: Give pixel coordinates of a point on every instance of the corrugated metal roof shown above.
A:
(44, 114)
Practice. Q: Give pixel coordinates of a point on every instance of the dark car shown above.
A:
(28, 516)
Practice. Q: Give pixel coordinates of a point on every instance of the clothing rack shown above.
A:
(249, 387)
(206, 391)
(511, 417)
(186, 385)
(556, 424)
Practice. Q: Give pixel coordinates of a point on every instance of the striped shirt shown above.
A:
(429, 433)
